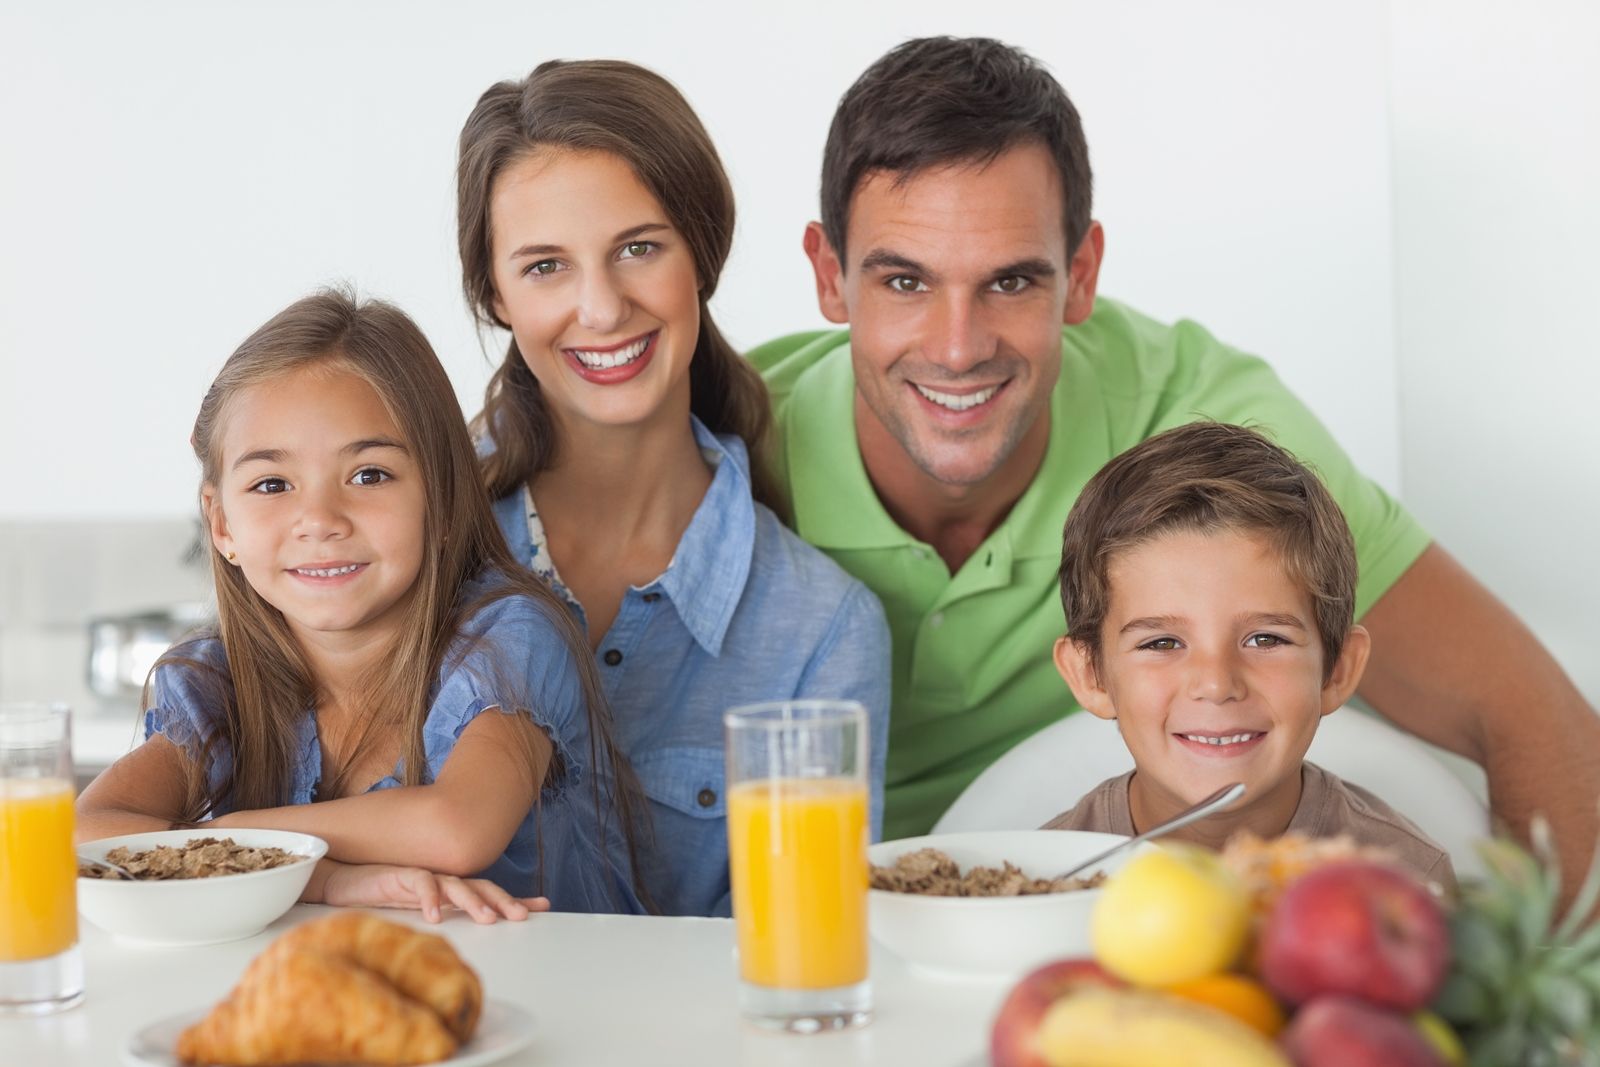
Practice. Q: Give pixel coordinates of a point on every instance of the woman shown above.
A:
(623, 439)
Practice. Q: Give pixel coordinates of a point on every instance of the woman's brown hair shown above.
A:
(638, 116)
(268, 685)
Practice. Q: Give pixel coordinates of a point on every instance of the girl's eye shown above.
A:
(269, 486)
(1011, 283)
(906, 283)
(1264, 641)
(1161, 644)
(542, 267)
(636, 249)
(370, 476)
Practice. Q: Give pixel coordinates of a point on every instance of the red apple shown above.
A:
(1339, 1031)
(1011, 1043)
(1358, 928)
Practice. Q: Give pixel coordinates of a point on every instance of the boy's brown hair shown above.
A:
(1208, 477)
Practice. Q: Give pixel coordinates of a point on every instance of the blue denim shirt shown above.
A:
(507, 656)
(745, 612)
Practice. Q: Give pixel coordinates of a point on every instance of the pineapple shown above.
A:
(1524, 987)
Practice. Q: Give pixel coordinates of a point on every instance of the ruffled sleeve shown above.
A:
(187, 701)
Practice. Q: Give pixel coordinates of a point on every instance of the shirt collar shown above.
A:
(707, 575)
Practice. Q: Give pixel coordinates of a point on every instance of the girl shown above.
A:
(594, 220)
(381, 673)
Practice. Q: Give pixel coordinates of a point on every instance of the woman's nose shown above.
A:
(602, 306)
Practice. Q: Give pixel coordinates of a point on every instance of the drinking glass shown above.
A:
(40, 966)
(797, 853)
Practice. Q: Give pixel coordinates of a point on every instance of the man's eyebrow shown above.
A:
(883, 259)
(1026, 268)
(355, 447)
(626, 235)
(1152, 622)
(260, 455)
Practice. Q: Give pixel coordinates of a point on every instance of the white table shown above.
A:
(602, 989)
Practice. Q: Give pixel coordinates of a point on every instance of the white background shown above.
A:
(1392, 201)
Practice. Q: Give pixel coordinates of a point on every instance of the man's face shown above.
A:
(956, 285)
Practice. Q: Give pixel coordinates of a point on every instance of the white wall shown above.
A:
(177, 172)
(1497, 210)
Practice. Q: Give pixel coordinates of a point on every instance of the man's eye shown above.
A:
(543, 266)
(1161, 644)
(1264, 641)
(905, 283)
(370, 476)
(636, 249)
(269, 486)
(1012, 283)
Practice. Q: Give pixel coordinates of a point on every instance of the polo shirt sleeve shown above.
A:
(510, 658)
(1209, 380)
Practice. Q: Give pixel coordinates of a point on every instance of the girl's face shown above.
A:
(599, 289)
(321, 502)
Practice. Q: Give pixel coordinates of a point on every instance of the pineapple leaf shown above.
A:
(1478, 947)
(1462, 999)
(1583, 903)
(1562, 1001)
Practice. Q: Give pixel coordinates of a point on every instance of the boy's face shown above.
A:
(1211, 665)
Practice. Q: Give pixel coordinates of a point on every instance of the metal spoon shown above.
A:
(108, 865)
(1215, 802)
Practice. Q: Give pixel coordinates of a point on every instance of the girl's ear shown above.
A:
(1346, 674)
(216, 520)
(1073, 661)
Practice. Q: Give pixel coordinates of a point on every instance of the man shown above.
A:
(935, 448)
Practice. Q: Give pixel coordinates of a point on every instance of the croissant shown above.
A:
(422, 966)
(304, 1006)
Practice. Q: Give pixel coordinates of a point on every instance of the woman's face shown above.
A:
(598, 287)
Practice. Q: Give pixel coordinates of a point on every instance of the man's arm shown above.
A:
(1454, 666)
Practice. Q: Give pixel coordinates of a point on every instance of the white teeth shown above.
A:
(955, 401)
(615, 358)
(1233, 739)
(328, 572)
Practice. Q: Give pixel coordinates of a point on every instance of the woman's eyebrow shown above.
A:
(628, 234)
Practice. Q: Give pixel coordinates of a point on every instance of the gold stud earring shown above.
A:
(232, 556)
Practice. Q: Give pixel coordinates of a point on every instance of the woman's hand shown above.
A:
(374, 885)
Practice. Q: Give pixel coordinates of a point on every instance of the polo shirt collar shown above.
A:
(706, 578)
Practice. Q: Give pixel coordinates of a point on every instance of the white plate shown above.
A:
(502, 1029)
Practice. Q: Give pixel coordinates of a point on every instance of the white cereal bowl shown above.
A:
(991, 938)
(197, 911)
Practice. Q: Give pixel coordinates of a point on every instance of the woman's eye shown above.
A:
(1161, 644)
(905, 283)
(636, 249)
(269, 486)
(370, 476)
(1011, 283)
(1264, 641)
(542, 267)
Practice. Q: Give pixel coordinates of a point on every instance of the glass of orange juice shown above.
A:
(40, 968)
(797, 854)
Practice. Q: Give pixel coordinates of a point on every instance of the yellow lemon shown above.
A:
(1171, 915)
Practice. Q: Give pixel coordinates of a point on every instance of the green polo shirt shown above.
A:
(972, 666)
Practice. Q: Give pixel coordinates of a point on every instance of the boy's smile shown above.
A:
(1212, 667)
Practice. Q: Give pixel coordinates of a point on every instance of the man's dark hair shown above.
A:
(940, 100)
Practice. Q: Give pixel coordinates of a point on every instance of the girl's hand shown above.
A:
(384, 886)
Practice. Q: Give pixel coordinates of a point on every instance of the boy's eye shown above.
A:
(906, 283)
(1264, 641)
(370, 476)
(269, 486)
(1161, 644)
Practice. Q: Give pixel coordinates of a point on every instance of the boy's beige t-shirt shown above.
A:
(1329, 806)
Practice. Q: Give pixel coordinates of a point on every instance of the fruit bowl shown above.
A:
(197, 911)
(991, 938)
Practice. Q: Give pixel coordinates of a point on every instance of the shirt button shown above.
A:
(919, 552)
(651, 598)
(706, 798)
(936, 620)
(612, 657)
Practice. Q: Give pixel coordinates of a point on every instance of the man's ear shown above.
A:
(1073, 661)
(1083, 275)
(216, 520)
(1346, 674)
(830, 274)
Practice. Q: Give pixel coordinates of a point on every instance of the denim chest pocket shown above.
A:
(687, 780)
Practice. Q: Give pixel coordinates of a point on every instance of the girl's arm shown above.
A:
(384, 886)
(142, 791)
(458, 825)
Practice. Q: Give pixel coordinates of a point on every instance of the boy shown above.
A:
(1209, 585)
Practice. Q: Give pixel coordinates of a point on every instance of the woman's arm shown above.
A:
(458, 825)
(142, 791)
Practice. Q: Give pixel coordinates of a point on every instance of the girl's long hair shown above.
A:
(268, 684)
(637, 115)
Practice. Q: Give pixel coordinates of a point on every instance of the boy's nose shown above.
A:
(1215, 677)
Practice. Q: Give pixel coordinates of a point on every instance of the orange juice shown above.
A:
(797, 849)
(38, 869)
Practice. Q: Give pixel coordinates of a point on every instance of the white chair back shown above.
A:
(1046, 774)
